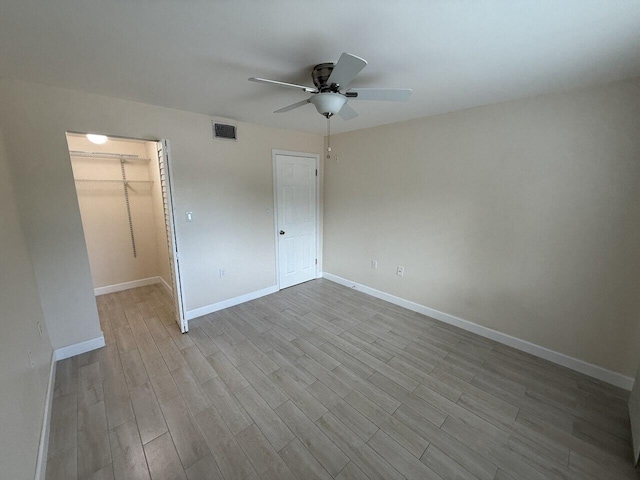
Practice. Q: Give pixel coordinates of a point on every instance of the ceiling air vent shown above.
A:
(220, 130)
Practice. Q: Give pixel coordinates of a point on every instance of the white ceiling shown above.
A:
(197, 54)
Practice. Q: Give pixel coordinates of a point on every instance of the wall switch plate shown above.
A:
(400, 271)
(40, 331)
(222, 272)
(189, 216)
(374, 264)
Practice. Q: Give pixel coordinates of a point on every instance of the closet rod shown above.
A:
(114, 156)
(96, 180)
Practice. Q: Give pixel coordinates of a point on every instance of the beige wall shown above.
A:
(104, 212)
(523, 217)
(227, 185)
(22, 388)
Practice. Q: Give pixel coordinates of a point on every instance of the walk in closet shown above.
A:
(121, 203)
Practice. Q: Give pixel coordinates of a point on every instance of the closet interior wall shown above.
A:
(104, 214)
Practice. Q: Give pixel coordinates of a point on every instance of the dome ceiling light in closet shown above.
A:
(97, 139)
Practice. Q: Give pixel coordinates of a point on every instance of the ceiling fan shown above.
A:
(331, 91)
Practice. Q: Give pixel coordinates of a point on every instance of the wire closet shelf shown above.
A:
(123, 181)
(114, 156)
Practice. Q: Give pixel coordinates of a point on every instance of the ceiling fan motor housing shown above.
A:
(320, 75)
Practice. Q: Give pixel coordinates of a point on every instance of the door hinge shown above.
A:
(316, 172)
(316, 261)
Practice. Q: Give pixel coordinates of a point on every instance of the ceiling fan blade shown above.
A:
(346, 69)
(388, 94)
(284, 84)
(292, 106)
(347, 113)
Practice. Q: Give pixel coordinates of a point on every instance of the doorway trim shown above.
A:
(290, 153)
(177, 296)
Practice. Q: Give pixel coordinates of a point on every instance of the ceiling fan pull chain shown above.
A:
(328, 137)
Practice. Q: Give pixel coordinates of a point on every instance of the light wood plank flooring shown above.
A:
(317, 382)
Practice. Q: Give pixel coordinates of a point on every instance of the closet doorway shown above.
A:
(124, 193)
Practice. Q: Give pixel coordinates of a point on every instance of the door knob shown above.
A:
(281, 232)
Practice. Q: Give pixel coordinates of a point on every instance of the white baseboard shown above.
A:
(43, 448)
(166, 286)
(118, 287)
(595, 371)
(78, 348)
(214, 307)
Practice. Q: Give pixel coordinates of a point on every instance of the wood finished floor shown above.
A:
(317, 382)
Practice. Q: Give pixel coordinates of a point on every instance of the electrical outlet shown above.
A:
(40, 331)
(222, 273)
(31, 362)
(374, 264)
(400, 271)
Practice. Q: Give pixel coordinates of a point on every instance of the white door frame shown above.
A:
(276, 237)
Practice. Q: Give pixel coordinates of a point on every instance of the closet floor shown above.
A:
(319, 381)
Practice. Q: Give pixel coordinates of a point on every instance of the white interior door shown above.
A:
(296, 214)
(172, 243)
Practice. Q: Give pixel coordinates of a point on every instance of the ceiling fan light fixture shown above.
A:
(328, 104)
